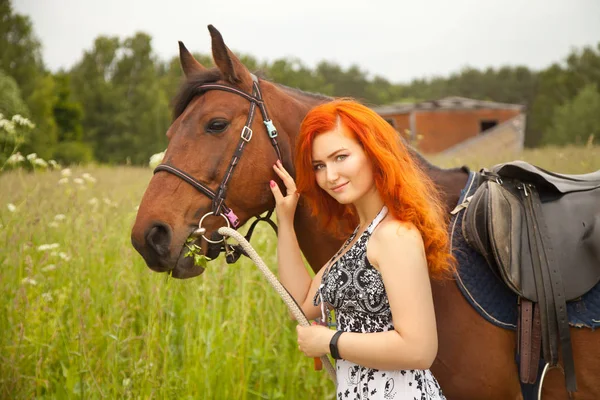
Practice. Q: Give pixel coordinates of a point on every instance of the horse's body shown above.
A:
(475, 359)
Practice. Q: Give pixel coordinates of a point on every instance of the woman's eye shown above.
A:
(217, 126)
(341, 157)
(317, 167)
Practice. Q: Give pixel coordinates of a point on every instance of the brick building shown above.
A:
(445, 124)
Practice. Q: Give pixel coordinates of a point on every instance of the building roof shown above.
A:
(447, 103)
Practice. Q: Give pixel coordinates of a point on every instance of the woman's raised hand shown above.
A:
(285, 205)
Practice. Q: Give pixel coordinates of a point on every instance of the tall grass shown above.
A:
(86, 318)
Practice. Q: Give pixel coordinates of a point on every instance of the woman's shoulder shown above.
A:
(392, 230)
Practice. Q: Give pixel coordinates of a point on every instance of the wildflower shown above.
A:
(11, 207)
(29, 281)
(40, 162)
(60, 217)
(63, 181)
(18, 119)
(45, 247)
(47, 296)
(32, 156)
(15, 158)
(49, 267)
(93, 201)
(53, 164)
(156, 159)
(78, 181)
(88, 178)
(66, 172)
(53, 224)
(64, 256)
(8, 126)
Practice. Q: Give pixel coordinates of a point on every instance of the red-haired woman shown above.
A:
(361, 182)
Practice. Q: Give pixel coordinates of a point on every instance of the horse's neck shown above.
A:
(292, 106)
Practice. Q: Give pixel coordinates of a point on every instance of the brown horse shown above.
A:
(475, 358)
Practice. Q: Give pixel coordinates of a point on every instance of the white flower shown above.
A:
(64, 256)
(78, 181)
(156, 159)
(17, 119)
(63, 181)
(40, 162)
(49, 267)
(66, 172)
(93, 201)
(60, 217)
(45, 247)
(31, 156)
(53, 164)
(15, 158)
(29, 281)
(11, 207)
(88, 178)
(53, 224)
(47, 296)
(7, 126)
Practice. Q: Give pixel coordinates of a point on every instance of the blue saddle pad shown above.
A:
(488, 294)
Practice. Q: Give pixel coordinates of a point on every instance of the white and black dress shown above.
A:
(355, 290)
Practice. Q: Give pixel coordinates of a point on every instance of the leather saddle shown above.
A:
(540, 231)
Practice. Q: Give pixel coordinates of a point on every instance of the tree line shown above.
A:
(113, 105)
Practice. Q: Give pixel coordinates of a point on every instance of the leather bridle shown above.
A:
(219, 208)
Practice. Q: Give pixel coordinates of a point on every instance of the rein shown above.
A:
(219, 208)
(279, 288)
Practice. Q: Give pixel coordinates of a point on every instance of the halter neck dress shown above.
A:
(355, 290)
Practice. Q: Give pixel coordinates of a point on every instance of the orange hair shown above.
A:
(406, 190)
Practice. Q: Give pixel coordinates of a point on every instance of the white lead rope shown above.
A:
(283, 293)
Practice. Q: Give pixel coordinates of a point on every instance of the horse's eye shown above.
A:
(217, 125)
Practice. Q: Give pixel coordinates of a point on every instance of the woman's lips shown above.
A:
(339, 187)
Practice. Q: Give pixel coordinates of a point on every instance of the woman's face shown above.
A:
(341, 166)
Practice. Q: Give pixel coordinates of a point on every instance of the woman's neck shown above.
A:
(367, 207)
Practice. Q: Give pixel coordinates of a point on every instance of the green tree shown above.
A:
(576, 120)
(20, 57)
(68, 114)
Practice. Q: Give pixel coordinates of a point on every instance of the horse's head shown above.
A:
(218, 160)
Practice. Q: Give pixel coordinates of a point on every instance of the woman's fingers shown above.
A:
(276, 192)
(288, 181)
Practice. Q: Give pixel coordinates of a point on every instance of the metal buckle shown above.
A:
(246, 134)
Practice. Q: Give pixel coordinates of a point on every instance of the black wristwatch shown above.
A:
(333, 345)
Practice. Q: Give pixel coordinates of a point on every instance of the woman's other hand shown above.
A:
(285, 205)
(314, 340)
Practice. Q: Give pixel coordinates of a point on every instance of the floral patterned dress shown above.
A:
(355, 290)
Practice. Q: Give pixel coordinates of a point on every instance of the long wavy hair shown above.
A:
(406, 190)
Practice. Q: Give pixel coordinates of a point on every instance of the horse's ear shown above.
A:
(230, 66)
(189, 64)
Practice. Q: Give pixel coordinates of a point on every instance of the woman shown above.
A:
(362, 183)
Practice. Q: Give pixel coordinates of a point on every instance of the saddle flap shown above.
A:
(505, 223)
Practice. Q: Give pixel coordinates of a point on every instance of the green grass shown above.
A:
(89, 320)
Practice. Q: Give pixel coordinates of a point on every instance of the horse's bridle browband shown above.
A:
(218, 198)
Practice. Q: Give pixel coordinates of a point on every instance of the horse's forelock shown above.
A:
(190, 88)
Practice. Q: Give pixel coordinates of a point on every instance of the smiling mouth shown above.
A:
(339, 187)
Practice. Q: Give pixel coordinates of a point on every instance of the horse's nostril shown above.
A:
(159, 239)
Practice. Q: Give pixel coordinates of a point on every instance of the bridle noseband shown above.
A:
(218, 198)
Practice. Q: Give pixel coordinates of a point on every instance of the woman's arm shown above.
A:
(397, 252)
(292, 271)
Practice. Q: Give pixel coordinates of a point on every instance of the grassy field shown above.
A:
(83, 317)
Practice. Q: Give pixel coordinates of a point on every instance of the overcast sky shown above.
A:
(399, 40)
